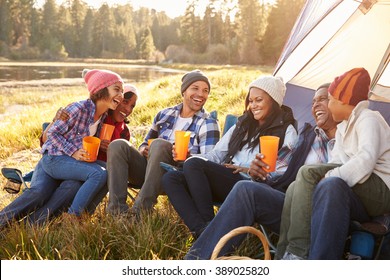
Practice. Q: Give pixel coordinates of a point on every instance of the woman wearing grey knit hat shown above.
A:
(208, 178)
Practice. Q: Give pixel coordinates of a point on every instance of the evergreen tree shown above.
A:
(146, 44)
(87, 34)
(103, 32)
(285, 11)
(159, 30)
(6, 22)
(35, 28)
(127, 42)
(64, 30)
(252, 22)
(187, 26)
(21, 18)
(77, 13)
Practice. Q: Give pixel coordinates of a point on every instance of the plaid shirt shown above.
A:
(321, 148)
(204, 129)
(66, 137)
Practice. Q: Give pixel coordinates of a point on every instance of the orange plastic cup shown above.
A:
(269, 148)
(182, 139)
(150, 141)
(91, 144)
(106, 132)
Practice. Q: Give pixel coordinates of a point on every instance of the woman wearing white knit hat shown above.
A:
(208, 179)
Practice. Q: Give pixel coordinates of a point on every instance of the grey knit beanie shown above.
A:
(274, 86)
(192, 77)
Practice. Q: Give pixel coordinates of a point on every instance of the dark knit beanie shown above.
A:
(192, 77)
(351, 87)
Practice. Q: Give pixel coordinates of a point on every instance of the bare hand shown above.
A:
(174, 154)
(81, 155)
(257, 168)
(144, 150)
(61, 114)
(236, 168)
(104, 145)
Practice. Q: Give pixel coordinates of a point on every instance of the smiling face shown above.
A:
(319, 109)
(337, 109)
(260, 104)
(124, 109)
(194, 97)
(115, 95)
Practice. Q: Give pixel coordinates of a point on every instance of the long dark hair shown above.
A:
(248, 130)
(253, 127)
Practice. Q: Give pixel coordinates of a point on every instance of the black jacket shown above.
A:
(277, 127)
(302, 149)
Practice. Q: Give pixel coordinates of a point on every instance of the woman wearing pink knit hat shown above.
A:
(63, 155)
(50, 198)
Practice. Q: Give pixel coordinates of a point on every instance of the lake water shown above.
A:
(40, 71)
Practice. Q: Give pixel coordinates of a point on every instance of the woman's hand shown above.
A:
(104, 145)
(256, 169)
(236, 168)
(81, 155)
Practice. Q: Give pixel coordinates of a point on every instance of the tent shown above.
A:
(329, 38)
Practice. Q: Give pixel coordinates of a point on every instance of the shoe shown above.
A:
(290, 257)
(15, 180)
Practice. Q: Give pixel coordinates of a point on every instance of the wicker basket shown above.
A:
(235, 232)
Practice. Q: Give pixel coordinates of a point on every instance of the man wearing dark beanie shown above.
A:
(353, 185)
(192, 77)
(141, 167)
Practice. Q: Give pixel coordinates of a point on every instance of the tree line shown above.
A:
(227, 31)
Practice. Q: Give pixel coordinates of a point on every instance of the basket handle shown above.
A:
(238, 231)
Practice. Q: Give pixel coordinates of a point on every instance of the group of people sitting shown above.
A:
(326, 176)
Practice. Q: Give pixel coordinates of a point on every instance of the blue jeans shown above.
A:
(93, 175)
(41, 189)
(58, 203)
(335, 204)
(194, 190)
(247, 203)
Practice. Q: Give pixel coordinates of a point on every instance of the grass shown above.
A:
(159, 235)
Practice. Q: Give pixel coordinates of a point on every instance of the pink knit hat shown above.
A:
(98, 79)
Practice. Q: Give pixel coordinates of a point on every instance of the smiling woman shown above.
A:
(63, 154)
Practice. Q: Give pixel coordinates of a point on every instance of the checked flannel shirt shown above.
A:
(66, 137)
(204, 129)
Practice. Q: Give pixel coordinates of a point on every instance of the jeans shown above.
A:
(247, 203)
(194, 190)
(93, 176)
(335, 204)
(306, 209)
(41, 189)
(58, 203)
